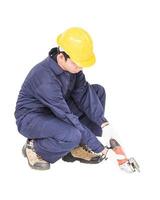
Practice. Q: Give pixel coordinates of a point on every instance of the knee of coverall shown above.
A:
(99, 89)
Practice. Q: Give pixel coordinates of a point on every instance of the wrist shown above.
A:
(105, 151)
(104, 124)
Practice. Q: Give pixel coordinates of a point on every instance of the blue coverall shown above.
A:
(59, 110)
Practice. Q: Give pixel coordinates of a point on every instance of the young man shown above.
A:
(58, 110)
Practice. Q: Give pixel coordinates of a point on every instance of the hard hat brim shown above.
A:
(85, 63)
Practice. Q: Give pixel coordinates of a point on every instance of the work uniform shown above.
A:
(59, 110)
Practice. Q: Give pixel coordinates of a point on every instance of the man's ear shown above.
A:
(60, 56)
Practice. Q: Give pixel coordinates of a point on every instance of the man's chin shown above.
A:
(76, 72)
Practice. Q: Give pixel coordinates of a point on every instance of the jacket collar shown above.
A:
(54, 66)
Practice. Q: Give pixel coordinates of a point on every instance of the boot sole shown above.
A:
(70, 158)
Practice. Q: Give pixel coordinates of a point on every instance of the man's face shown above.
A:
(68, 65)
(72, 67)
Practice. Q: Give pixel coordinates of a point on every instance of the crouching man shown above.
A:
(57, 110)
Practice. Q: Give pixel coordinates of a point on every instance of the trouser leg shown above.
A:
(52, 149)
(54, 138)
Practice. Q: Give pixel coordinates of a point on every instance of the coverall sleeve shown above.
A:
(50, 95)
(87, 100)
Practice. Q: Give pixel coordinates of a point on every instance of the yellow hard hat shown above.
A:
(78, 44)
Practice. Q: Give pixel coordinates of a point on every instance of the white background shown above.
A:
(126, 37)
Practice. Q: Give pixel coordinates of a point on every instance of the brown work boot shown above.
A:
(34, 160)
(84, 155)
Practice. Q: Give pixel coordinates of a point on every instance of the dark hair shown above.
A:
(55, 51)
